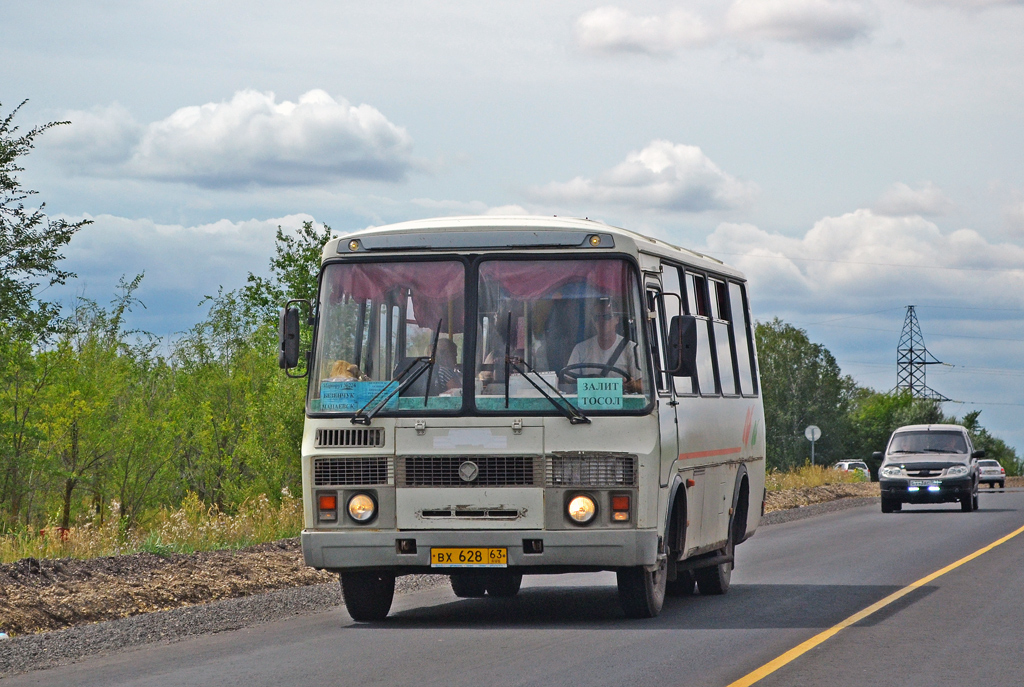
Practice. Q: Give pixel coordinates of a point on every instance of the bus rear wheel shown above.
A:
(641, 592)
(716, 579)
(468, 586)
(504, 585)
(368, 595)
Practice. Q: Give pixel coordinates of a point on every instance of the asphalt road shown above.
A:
(791, 582)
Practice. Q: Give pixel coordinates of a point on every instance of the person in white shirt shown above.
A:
(607, 353)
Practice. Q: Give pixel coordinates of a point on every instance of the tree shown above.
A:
(802, 385)
(994, 448)
(295, 269)
(30, 242)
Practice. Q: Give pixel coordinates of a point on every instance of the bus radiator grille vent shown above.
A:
(492, 471)
(369, 437)
(350, 471)
(591, 469)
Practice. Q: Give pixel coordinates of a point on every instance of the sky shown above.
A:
(852, 157)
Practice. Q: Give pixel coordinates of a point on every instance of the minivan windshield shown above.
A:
(928, 442)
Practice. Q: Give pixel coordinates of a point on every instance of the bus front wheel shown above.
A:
(368, 595)
(641, 592)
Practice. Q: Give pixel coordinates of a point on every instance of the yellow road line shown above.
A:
(801, 649)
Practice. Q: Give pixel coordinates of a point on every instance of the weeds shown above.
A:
(810, 476)
(194, 526)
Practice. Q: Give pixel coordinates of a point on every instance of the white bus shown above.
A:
(490, 397)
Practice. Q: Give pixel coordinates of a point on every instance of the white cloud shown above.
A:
(610, 29)
(182, 264)
(815, 23)
(1015, 217)
(663, 176)
(901, 199)
(852, 262)
(251, 139)
(970, 4)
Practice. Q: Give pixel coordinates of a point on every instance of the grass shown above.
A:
(194, 526)
(809, 476)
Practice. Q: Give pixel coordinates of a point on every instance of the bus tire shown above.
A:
(368, 595)
(715, 580)
(642, 593)
(504, 585)
(683, 585)
(468, 586)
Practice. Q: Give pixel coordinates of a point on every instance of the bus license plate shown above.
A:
(469, 558)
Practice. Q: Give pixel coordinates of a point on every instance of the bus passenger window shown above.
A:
(723, 337)
(741, 331)
(697, 300)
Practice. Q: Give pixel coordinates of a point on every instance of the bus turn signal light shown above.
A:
(620, 507)
(328, 506)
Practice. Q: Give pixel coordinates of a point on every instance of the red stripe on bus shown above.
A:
(708, 454)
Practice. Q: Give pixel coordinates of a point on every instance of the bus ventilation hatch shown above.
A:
(369, 437)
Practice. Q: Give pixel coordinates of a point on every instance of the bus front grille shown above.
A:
(369, 437)
(350, 471)
(489, 471)
(591, 469)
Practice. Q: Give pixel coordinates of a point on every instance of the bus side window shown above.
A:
(723, 337)
(656, 337)
(697, 305)
(741, 330)
(675, 306)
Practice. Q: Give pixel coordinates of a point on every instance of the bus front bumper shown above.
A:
(561, 549)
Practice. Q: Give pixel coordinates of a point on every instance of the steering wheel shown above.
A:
(573, 372)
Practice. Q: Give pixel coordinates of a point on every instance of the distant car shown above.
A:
(991, 472)
(929, 464)
(854, 465)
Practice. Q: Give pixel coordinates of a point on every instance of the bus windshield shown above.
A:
(574, 326)
(378, 323)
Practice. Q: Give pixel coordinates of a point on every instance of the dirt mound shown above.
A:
(794, 498)
(40, 595)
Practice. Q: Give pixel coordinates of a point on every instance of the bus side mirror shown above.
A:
(682, 346)
(288, 335)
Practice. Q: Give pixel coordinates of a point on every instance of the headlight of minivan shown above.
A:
(891, 471)
(957, 471)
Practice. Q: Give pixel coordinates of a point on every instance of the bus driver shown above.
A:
(607, 353)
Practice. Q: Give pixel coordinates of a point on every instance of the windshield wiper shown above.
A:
(569, 410)
(405, 379)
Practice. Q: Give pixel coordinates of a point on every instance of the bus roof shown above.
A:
(511, 231)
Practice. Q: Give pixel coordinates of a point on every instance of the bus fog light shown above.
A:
(361, 508)
(582, 509)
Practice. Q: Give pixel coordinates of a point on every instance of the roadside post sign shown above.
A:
(813, 433)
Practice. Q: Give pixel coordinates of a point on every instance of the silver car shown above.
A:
(991, 472)
(929, 464)
(854, 465)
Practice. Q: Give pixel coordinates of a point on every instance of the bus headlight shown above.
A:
(582, 509)
(361, 508)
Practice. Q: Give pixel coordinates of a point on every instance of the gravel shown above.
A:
(61, 647)
(789, 515)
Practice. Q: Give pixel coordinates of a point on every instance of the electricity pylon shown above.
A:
(911, 359)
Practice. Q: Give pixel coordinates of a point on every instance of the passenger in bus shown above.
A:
(446, 368)
(607, 353)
